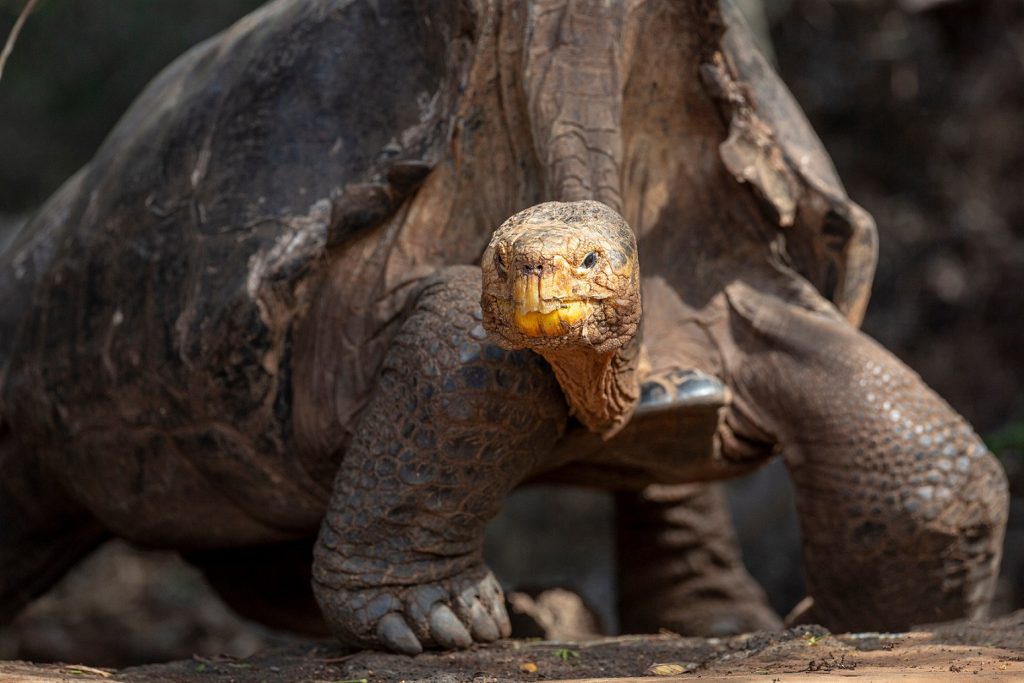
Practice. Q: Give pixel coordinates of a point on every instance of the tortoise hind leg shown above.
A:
(679, 565)
(678, 560)
(42, 534)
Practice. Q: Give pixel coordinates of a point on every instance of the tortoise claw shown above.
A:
(481, 625)
(682, 388)
(494, 600)
(472, 605)
(451, 614)
(447, 630)
(396, 635)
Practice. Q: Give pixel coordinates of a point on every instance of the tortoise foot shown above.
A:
(452, 614)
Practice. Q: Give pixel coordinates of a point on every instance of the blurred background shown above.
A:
(919, 102)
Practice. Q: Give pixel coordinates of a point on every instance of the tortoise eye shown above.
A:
(499, 263)
(590, 260)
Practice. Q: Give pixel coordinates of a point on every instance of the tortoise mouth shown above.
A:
(552, 323)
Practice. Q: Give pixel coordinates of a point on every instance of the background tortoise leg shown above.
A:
(678, 560)
(453, 425)
(679, 565)
(269, 584)
(902, 508)
(42, 532)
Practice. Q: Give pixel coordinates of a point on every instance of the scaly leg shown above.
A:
(454, 424)
(902, 507)
(679, 565)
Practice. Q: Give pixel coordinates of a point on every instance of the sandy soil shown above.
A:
(983, 651)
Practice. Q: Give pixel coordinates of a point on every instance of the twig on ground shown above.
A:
(15, 30)
(336, 660)
(82, 669)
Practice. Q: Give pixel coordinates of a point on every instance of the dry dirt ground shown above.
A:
(983, 651)
(124, 608)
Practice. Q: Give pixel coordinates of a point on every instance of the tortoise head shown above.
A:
(562, 276)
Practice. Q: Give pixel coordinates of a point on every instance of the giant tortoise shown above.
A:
(275, 303)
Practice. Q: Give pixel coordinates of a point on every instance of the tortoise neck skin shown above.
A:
(602, 389)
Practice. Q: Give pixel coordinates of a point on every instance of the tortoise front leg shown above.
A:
(453, 425)
(902, 507)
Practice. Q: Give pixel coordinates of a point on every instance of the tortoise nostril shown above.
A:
(533, 269)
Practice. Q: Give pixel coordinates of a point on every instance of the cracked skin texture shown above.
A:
(255, 315)
(562, 279)
(402, 536)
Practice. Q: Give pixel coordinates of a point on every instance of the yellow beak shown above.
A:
(544, 304)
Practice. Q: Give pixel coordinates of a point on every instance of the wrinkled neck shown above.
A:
(602, 388)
